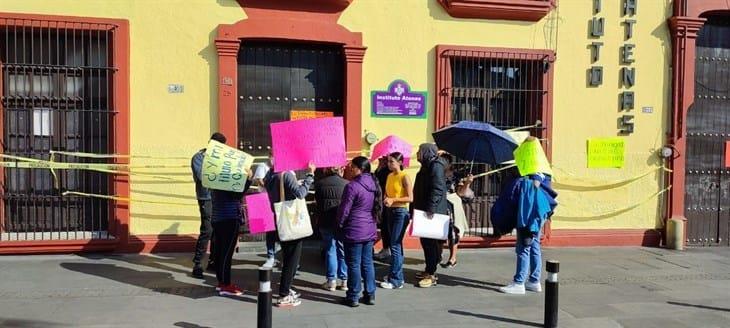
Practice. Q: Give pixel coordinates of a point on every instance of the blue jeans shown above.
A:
(529, 257)
(359, 257)
(271, 238)
(397, 222)
(334, 255)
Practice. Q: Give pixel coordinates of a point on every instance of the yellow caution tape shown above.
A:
(92, 155)
(33, 163)
(581, 184)
(582, 217)
(123, 199)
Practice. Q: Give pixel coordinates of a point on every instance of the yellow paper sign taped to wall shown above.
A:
(531, 159)
(224, 167)
(606, 152)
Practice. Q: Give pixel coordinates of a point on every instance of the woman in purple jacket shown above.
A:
(357, 219)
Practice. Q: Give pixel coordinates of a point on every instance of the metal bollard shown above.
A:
(551, 294)
(264, 301)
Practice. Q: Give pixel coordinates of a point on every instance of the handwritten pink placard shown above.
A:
(392, 144)
(259, 214)
(319, 140)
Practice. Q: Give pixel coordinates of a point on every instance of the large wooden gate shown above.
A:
(707, 190)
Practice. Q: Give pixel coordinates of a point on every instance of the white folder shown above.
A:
(435, 227)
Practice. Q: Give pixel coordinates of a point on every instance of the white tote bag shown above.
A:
(436, 227)
(292, 216)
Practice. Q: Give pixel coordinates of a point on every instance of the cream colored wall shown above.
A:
(172, 42)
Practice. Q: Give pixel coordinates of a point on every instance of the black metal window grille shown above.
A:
(56, 95)
(504, 89)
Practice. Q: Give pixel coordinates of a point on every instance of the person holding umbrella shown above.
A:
(429, 195)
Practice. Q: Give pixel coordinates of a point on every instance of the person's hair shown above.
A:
(448, 157)
(363, 164)
(329, 171)
(398, 157)
(218, 137)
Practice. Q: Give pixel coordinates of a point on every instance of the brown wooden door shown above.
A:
(707, 190)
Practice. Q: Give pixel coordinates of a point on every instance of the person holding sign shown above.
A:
(292, 249)
(328, 194)
(357, 218)
(398, 195)
(227, 173)
(532, 201)
(429, 195)
(204, 206)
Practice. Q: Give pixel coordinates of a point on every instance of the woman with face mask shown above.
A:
(429, 195)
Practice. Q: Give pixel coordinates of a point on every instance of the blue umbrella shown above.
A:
(476, 142)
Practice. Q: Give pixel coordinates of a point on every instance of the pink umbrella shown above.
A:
(391, 144)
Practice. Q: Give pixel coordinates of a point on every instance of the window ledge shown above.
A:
(522, 10)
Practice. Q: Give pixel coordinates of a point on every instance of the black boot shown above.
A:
(198, 272)
(368, 299)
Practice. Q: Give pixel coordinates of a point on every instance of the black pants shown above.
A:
(226, 238)
(432, 249)
(206, 233)
(384, 231)
(291, 253)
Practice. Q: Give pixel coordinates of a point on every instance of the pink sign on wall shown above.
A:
(259, 214)
(319, 140)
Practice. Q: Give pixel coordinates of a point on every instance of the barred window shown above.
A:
(508, 88)
(56, 95)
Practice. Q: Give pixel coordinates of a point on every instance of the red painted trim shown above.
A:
(521, 10)
(119, 218)
(2, 143)
(57, 246)
(699, 8)
(609, 237)
(685, 24)
(286, 21)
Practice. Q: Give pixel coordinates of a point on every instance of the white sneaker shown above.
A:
(342, 285)
(289, 301)
(533, 287)
(330, 285)
(388, 285)
(269, 263)
(513, 288)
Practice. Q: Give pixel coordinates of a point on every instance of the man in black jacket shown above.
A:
(429, 195)
(328, 194)
(205, 208)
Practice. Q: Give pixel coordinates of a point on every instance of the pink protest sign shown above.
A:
(259, 214)
(392, 144)
(319, 140)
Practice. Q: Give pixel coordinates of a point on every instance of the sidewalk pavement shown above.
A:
(599, 287)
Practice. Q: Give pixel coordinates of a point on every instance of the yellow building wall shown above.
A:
(401, 37)
(172, 42)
